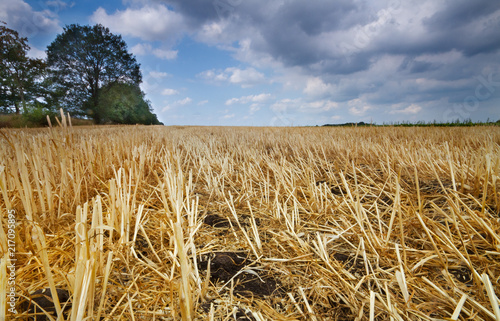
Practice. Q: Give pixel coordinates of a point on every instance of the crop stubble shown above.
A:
(221, 223)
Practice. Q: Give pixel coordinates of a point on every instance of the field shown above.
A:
(219, 223)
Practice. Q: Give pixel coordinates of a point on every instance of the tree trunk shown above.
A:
(21, 94)
(20, 90)
(95, 107)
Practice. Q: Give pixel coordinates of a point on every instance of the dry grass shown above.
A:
(340, 223)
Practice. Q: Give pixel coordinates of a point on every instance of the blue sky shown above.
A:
(295, 62)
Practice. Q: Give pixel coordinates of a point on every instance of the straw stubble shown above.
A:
(340, 223)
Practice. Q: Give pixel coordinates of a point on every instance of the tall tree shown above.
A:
(85, 59)
(20, 75)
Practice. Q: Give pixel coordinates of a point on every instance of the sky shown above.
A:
(295, 62)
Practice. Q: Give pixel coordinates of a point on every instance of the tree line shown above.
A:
(88, 72)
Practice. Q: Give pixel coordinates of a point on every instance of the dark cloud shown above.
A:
(289, 31)
(315, 17)
(469, 26)
(365, 53)
(457, 14)
(199, 12)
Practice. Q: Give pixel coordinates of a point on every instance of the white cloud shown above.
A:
(410, 110)
(167, 107)
(21, 17)
(176, 104)
(260, 98)
(165, 54)
(184, 101)
(158, 74)
(153, 22)
(203, 102)
(243, 77)
(169, 92)
(143, 49)
(229, 116)
(358, 107)
(285, 104)
(316, 87)
(212, 32)
(254, 108)
(299, 105)
(319, 105)
(152, 81)
(37, 53)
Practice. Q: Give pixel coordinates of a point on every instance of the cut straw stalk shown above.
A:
(185, 292)
(491, 295)
(105, 284)
(39, 239)
(275, 171)
(3, 286)
(459, 307)
(400, 277)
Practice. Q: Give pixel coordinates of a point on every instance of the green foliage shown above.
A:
(88, 73)
(36, 116)
(33, 116)
(85, 59)
(124, 104)
(20, 76)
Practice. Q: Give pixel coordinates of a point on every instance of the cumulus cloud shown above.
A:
(178, 103)
(382, 53)
(412, 109)
(260, 98)
(165, 54)
(244, 77)
(30, 23)
(152, 22)
(158, 74)
(169, 92)
(316, 87)
(37, 53)
(298, 105)
(254, 108)
(358, 107)
(143, 49)
(184, 101)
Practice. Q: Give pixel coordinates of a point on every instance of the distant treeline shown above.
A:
(464, 123)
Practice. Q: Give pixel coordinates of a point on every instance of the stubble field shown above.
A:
(219, 223)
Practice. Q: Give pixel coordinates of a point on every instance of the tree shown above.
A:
(83, 62)
(20, 76)
(124, 104)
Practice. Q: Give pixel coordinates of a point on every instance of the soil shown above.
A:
(462, 274)
(351, 263)
(43, 298)
(227, 266)
(216, 221)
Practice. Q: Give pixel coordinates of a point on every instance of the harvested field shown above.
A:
(218, 223)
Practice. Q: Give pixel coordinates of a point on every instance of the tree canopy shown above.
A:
(88, 72)
(124, 104)
(86, 60)
(20, 76)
